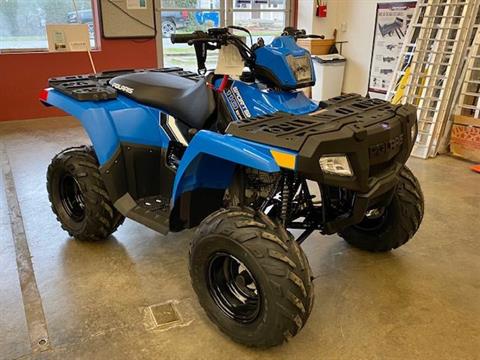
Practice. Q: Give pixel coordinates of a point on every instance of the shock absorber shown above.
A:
(286, 196)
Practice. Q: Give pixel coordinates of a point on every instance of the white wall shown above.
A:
(305, 15)
(358, 17)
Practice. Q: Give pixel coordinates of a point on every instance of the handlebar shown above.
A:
(215, 38)
(300, 34)
(185, 38)
(313, 36)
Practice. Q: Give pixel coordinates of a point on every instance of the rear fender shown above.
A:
(95, 119)
(111, 122)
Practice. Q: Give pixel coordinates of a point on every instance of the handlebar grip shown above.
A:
(185, 38)
(181, 38)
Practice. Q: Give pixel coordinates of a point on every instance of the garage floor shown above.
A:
(419, 302)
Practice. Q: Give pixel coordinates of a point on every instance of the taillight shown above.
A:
(43, 95)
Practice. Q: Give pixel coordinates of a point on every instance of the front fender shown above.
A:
(211, 158)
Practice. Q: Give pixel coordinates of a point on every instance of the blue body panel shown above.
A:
(108, 123)
(274, 58)
(249, 100)
(208, 162)
(211, 158)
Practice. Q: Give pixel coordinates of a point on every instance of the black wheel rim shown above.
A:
(72, 198)
(233, 288)
(373, 220)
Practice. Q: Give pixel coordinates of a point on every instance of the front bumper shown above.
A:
(373, 150)
(376, 155)
(380, 192)
(375, 135)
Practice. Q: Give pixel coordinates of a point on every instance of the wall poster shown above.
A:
(391, 26)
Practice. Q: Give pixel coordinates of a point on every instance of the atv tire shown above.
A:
(251, 277)
(398, 223)
(78, 196)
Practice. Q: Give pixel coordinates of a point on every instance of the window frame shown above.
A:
(226, 11)
(97, 37)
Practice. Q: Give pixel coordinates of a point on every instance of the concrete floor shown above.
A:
(419, 302)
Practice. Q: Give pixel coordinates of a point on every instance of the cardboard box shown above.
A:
(465, 137)
(316, 46)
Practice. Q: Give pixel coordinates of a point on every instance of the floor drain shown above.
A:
(168, 315)
(165, 314)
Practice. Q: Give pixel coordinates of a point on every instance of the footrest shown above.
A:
(152, 211)
(153, 204)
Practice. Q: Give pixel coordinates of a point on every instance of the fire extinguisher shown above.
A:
(321, 9)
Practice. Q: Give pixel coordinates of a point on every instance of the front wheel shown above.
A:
(251, 277)
(388, 228)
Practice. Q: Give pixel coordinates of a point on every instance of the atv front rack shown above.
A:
(291, 131)
(95, 87)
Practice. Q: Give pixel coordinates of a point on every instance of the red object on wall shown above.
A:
(321, 11)
(23, 75)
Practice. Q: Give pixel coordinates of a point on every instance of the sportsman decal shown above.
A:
(236, 103)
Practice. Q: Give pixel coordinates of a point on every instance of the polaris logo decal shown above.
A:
(123, 88)
(390, 146)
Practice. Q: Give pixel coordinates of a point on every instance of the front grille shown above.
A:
(390, 147)
(381, 168)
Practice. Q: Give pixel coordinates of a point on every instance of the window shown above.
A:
(265, 18)
(186, 16)
(22, 22)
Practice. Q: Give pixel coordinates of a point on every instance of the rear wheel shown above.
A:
(251, 277)
(78, 196)
(387, 228)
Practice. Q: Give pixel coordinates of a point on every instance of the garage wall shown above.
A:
(23, 75)
(357, 19)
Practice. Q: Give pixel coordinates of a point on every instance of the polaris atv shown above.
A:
(244, 160)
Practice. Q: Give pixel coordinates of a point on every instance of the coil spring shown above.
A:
(286, 197)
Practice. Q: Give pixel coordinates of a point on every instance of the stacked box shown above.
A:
(465, 138)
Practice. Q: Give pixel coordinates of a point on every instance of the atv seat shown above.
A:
(190, 101)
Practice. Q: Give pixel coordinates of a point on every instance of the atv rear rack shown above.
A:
(95, 87)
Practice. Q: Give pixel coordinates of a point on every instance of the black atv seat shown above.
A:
(190, 101)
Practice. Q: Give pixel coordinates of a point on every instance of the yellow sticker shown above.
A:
(284, 160)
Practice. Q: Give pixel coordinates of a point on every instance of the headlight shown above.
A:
(301, 67)
(337, 165)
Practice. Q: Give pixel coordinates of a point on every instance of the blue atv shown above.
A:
(243, 159)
